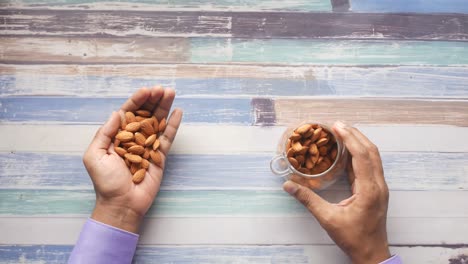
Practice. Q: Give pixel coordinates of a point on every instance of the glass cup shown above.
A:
(280, 165)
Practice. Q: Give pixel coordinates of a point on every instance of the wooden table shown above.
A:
(243, 70)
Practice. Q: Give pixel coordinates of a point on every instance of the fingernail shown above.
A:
(340, 124)
(290, 187)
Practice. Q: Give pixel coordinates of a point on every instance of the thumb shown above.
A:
(104, 135)
(320, 208)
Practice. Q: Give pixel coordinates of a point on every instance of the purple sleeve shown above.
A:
(101, 243)
(393, 260)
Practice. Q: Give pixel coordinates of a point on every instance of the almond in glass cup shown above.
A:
(313, 179)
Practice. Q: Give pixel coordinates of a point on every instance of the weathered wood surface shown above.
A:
(428, 170)
(140, 50)
(234, 80)
(243, 70)
(184, 5)
(229, 230)
(191, 139)
(238, 24)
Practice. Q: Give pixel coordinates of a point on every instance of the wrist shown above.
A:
(371, 255)
(117, 216)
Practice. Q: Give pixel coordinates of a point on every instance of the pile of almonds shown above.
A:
(137, 142)
(311, 149)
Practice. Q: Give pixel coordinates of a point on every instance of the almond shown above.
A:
(156, 157)
(323, 150)
(290, 153)
(139, 176)
(120, 151)
(300, 159)
(133, 158)
(155, 124)
(307, 142)
(147, 127)
(293, 162)
(313, 149)
(156, 144)
(143, 113)
(140, 139)
(296, 146)
(309, 164)
(150, 140)
(322, 142)
(316, 135)
(134, 167)
(116, 142)
(162, 125)
(133, 127)
(333, 153)
(303, 150)
(128, 144)
(123, 122)
(323, 134)
(127, 162)
(303, 129)
(146, 154)
(139, 118)
(145, 164)
(295, 136)
(124, 136)
(308, 134)
(130, 117)
(137, 150)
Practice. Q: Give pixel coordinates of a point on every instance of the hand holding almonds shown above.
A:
(311, 149)
(137, 142)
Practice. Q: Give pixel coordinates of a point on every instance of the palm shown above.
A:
(111, 178)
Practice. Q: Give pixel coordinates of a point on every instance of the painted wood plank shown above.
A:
(191, 139)
(374, 111)
(209, 5)
(81, 110)
(94, 50)
(416, 6)
(234, 24)
(337, 52)
(97, 110)
(403, 171)
(233, 231)
(234, 80)
(228, 50)
(444, 204)
(114, 23)
(228, 254)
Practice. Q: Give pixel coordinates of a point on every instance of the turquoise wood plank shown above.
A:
(10, 254)
(168, 203)
(416, 6)
(283, 81)
(97, 110)
(403, 171)
(291, 5)
(337, 52)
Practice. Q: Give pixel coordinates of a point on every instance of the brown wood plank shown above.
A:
(94, 50)
(371, 111)
(234, 24)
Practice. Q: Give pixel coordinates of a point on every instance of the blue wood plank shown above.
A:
(415, 6)
(333, 81)
(165, 254)
(97, 110)
(403, 171)
(325, 52)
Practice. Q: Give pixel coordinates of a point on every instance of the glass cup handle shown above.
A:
(274, 165)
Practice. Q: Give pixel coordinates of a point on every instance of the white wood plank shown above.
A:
(226, 139)
(234, 231)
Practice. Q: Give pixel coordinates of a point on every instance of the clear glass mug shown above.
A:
(280, 165)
